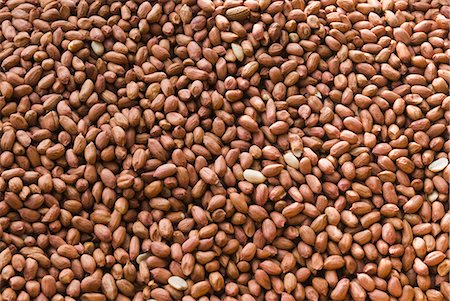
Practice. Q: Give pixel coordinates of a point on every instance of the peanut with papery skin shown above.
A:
(224, 150)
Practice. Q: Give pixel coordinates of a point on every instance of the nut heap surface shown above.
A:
(256, 150)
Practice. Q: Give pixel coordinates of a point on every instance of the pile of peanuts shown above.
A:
(236, 150)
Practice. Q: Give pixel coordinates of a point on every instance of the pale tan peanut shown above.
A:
(254, 176)
(438, 165)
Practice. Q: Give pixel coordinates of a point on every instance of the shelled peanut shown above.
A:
(224, 150)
